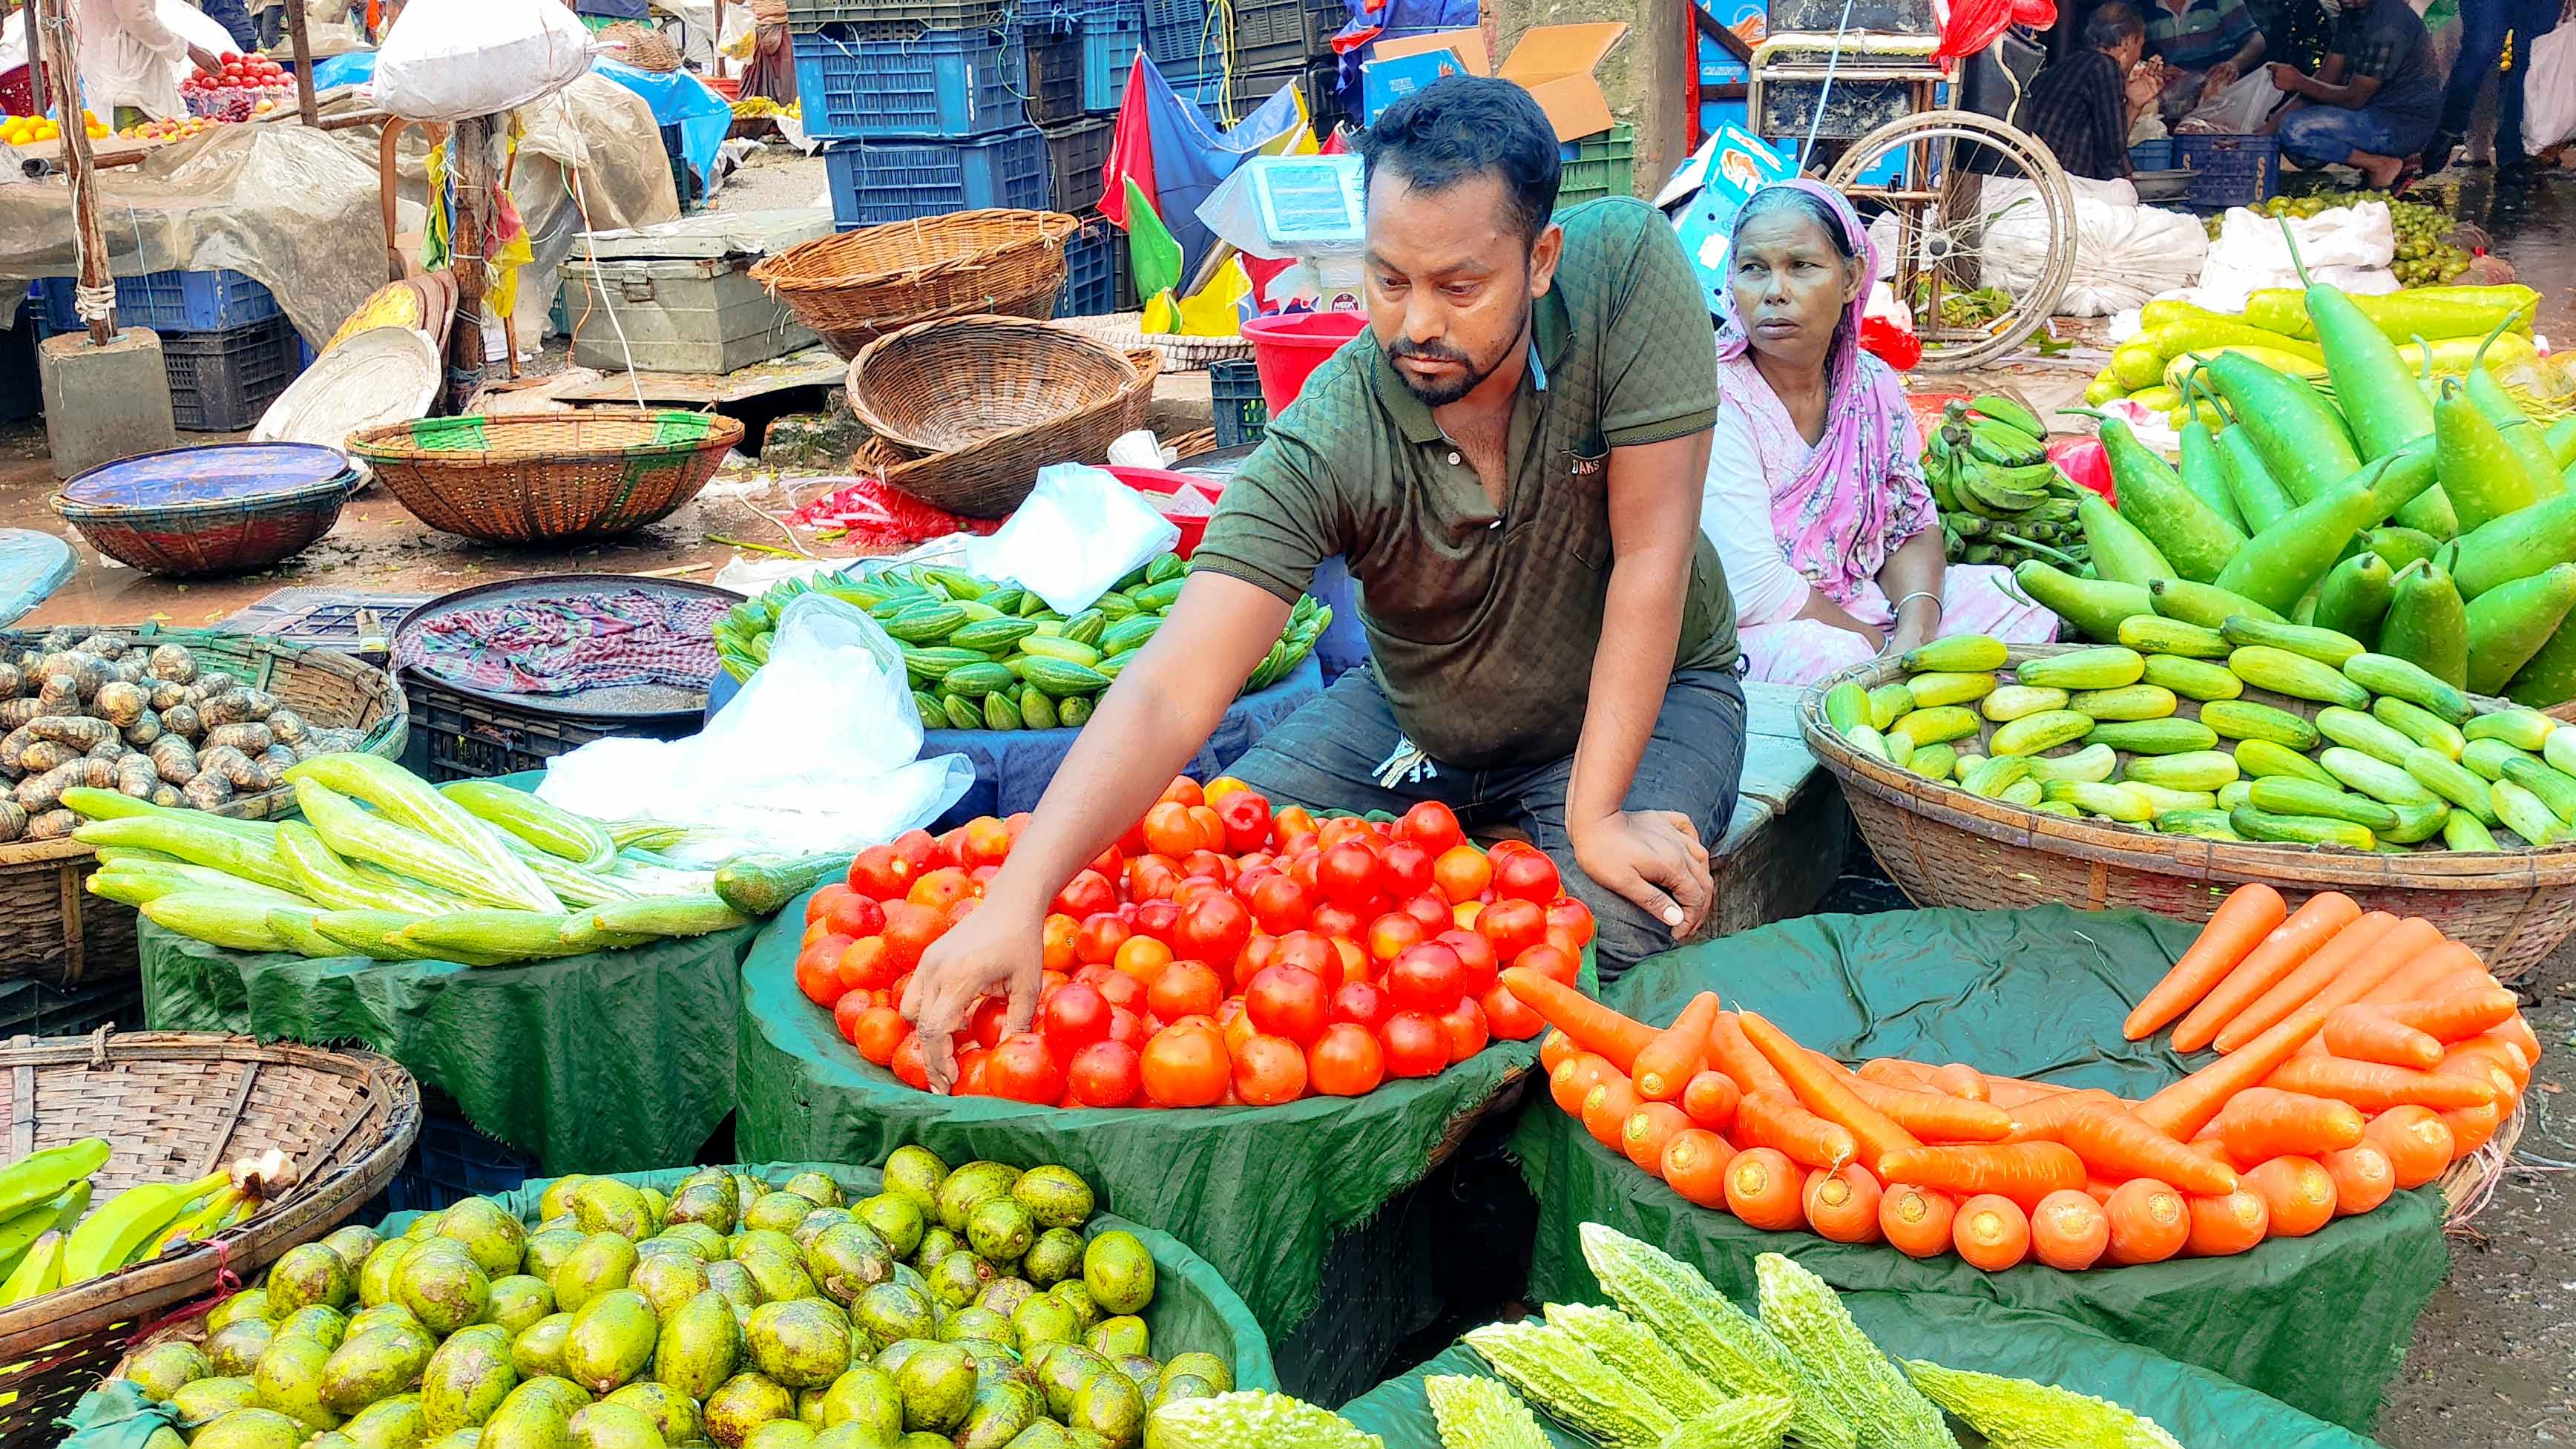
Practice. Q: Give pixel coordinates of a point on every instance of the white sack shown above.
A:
(446, 60)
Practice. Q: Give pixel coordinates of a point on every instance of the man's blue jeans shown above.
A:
(232, 16)
(2483, 25)
(2315, 135)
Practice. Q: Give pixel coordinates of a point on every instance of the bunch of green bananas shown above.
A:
(49, 1238)
(2001, 499)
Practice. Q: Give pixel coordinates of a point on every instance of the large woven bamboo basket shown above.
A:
(548, 477)
(1945, 847)
(178, 1106)
(856, 286)
(52, 929)
(990, 478)
(936, 387)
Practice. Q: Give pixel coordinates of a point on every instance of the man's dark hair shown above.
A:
(2111, 25)
(1463, 126)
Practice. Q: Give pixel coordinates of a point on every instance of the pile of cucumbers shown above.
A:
(991, 656)
(2157, 732)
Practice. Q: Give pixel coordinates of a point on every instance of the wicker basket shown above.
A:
(646, 49)
(854, 287)
(194, 540)
(548, 477)
(990, 478)
(936, 387)
(177, 1106)
(2469, 1184)
(52, 929)
(1945, 847)
(1180, 354)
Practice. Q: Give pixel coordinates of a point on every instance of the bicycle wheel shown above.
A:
(1979, 225)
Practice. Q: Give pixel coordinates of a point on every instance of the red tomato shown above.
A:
(1309, 951)
(816, 978)
(854, 916)
(1056, 942)
(1122, 991)
(1361, 1004)
(1268, 1070)
(1415, 1044)
(941, 888)
(881, 872)
(1553, 962)
(819, 904)
(1074, 1017)
(1284, 1001)
(908, 1066)
(1099, 938)
(1430, 825)
(1186, 1066)
(1087, 894)
(1349, 827)
(1572, 920)
(1431, 911)
(1477, 960)
(1246, 818)
(984, 1023)
(1527, 876)
(1393, 934)
(1213, 929)
(1021, 1069)
(879, 1031)
(1105, 1074)
(1295, 820)
(971, 1062)
(1466, 1030)
(866, 965)
(1170, 830)
(1158, 919)
(1347, 873)
(1404, 869)
(909, 930)
(1506, 1017)
(1185, 988)
(1184, 791)
(1280, 904)
(1338, 920)
(983, 841)
(1513, 926)
(923, 849)
(846, 1013)
(1426, 978)
(1346, 1061)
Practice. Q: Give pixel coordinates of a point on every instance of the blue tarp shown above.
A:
(32, 565)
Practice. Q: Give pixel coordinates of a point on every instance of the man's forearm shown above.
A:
(1640, 632)
(2248, 55)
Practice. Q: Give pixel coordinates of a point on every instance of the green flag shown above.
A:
(1151, 253)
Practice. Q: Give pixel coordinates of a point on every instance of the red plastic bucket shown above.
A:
(1288, 346)
(1160, 484)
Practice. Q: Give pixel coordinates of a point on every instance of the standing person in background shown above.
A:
(2484, 25)
(2374, 103)
(2206, 46)
(1815, 495)
(131, 63)
(234, 17)
(2081, 107)
(268, 22)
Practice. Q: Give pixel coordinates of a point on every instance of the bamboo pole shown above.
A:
(299, 39)
(469, 159)
(65, 69)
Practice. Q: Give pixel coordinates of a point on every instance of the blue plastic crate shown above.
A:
(448, 1163)
(874, 182)
(167, 301)
(2229, 170)
(1092, 261)
(1206, 86)
(946, 83)
(1043, 14)
(2156, 155)
(1178, 30)
(1079, 69)
(1234, 392)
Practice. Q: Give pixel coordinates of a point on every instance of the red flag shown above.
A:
(1131, 149)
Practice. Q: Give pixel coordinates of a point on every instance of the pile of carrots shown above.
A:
(2361, 1054)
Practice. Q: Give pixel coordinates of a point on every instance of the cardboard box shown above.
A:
(1552, 62)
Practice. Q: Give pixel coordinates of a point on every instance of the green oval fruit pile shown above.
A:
(989, 656)
(964, 1310)
(2158, 732)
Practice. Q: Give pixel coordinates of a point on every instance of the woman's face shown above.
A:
(1791, 286)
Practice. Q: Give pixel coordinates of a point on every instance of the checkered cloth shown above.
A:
(563, 646)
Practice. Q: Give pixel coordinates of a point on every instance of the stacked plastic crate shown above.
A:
(923, 105)
(1079, 55)
(228, 348)
(1286, 43)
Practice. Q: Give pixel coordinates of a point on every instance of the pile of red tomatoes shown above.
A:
(1218, 955)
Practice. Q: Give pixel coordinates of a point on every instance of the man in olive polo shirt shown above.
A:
(1510, 460)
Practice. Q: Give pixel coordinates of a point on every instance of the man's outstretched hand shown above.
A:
(994, 948)
(1654, 858)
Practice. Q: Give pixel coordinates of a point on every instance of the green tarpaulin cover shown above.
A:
(1257, 1191)
(2320, 1323)
(2201, 1409)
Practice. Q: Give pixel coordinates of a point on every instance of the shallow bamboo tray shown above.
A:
(1945, 847)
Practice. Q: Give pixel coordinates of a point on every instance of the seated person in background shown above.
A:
(2081, 107)
(2375, 101)
(1815, 496)
(2206, 46)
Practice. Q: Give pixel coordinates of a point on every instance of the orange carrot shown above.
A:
(2393, 948)
(1991, 1232)
(2417, 1142)
(1648, 1131)
(2327, 917)
(2022, 1171)
(1936, 1116)
(2458, 1015)
(2427, 968)
(1779, 1123)
(1606, 1108)
(1895, 1072)
(2498, 1064)
(1825, 1092)
(2376, 1088)
(2069, 1231)
(2224, 1225)
(1730, 1053)
(2365, 1033)
(2261, 1123)
(2149, 1222)
(2362, 1177)
(2009, 1092)
(1591, 1025)
(2100, 1191)
(2518, 1031)
(1762, 1189)
(1667, 1063)
(2115, 1144)
(1694, 1165)
(1556, 1048)
(1710, 1097)
(2250, 913)
(1958, 1079)
(2045, 1119)
(2297, 1193)
(1842, 1206)
(2471, 1127)
(1916, 1220)
(1574, 1079)
(2181, 1110)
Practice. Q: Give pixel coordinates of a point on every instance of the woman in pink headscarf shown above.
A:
(1815, 495)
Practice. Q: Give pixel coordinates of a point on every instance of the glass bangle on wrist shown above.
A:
(1899, 610)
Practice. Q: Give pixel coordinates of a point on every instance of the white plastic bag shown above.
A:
(445, 60)
(2549, 92)
(1079, 533)
(819, 752)
(2346, 246)
(2241, 108)
(2124, 252)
